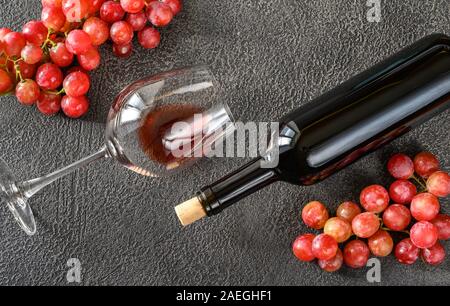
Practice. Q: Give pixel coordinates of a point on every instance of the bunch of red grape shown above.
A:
(47, 63)
(385, 211)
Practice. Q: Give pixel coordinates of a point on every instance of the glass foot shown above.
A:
(17, 203)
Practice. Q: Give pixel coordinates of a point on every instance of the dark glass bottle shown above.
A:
(348, 122)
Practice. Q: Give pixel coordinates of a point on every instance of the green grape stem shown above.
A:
(389, 230)
(62, 91)
(17, 68)
(6, 94)
(48, 41)
(419, 181)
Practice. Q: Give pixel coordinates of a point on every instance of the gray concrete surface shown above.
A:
(269, 57)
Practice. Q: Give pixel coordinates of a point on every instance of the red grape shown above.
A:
(442, 223)
(374, 198)
(123, 50)
(439, 184)
(97, 29)
(381, 243)
(302, 247)
(11, 68)
(74, 107)
(338, 228)
(434, 255)
(400, 166)
(3, 59)
(6, 83)
(324, 247)
(68, 26)
(121, 32)
(2, 43)
(365, 225)
(315, 214)
(425, 164)
(76, 84)
(60, 55)
(27, 92)
(31, 54)
(53, 18)
(35, 32)
(26, 70)
(396, 217)
(78, 69)
(175, 5)
(348, 210)
(137, 21)
(49, 76)
(76, 10)
(78, 42)
(95, 6)
(149, 38)
(406, 252)
(402, 191)
(159, 14)
(424, 234)
(425, 207)
(14, 43)
(3, 32)
(49, 103)
(333, 264)
(111, 12)
(132, 6)
(356, 254)
(55, 38)
(89, 60)
(51, 3)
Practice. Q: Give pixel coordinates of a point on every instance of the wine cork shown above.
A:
(190, 211)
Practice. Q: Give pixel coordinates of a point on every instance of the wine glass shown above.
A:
(155, 127)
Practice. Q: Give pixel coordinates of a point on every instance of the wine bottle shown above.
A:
(348, 122)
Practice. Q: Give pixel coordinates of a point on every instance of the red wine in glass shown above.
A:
(156, 133)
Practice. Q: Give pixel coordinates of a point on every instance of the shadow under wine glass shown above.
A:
(155, 127)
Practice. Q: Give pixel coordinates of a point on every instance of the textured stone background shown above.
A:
(269, 56)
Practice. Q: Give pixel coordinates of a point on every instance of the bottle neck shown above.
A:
(235, 186)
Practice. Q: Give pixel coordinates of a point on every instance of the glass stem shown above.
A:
(29, 188)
